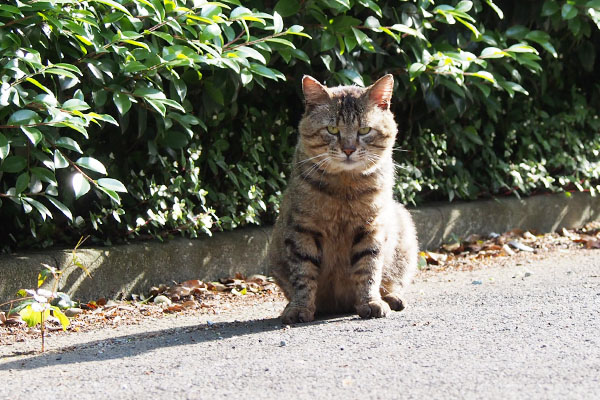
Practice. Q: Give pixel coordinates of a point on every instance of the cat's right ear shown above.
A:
(314, 92)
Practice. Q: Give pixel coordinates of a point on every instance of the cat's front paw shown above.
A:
(395, 301)
(293, 314)
(373, 309)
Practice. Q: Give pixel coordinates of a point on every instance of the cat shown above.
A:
(341, 243)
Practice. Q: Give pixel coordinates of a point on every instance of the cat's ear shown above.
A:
(314, 92)
(380, 93)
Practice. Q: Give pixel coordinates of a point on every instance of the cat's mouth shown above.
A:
(349, 163)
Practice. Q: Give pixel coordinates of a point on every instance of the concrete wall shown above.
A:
(125, 269)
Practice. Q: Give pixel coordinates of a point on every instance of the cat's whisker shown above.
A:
(315, 167)
(398, 166)
(311, 158)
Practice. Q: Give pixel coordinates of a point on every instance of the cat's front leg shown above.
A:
(366, 271)
(301, 307)
(304, 262)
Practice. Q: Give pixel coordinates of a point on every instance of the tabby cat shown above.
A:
(341, 243)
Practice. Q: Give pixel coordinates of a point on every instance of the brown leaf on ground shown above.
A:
(434, 258)
(592, 244)
(453, 247)
(194, 284)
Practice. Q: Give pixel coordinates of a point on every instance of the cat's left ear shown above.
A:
(380, 93)
(314, 92)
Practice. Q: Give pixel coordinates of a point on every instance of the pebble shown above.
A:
(73, 311)
(527, 274)
(162, 300)
(282, 343)
(476, 282)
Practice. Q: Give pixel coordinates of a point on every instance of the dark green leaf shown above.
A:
(111, 193)
(75, 104)
(68, 143)
(112, 184)
(61, 207)
(13, 164)
(549, 8)
(92, 164)
(33, 134)
(24, 117)
(44, 174)
(42, 209)
(122, 102)
(4, 147)
(287, 8)
(59, 160)
(569, 11)
(22, 182)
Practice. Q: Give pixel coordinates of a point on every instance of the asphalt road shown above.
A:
(495, 333)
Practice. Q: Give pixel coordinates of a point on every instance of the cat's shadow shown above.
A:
(135, 344)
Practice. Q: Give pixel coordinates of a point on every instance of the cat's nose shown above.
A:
(349, 150)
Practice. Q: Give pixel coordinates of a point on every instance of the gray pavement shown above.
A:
(526, 331)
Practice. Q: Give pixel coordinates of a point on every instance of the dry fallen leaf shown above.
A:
(453, 247)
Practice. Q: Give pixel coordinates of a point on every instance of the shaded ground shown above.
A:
(511, 330)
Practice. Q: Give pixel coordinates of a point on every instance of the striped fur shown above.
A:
(341, 243)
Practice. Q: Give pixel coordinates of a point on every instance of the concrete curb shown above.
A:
(122, 270)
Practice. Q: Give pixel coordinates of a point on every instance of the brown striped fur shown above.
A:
(341, 243)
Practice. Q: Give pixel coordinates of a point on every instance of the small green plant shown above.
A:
(36, 305)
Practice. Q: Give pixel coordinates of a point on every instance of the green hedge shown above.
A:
(152, 118)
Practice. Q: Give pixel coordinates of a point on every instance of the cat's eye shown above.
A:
(334, 130)
(364, 131)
